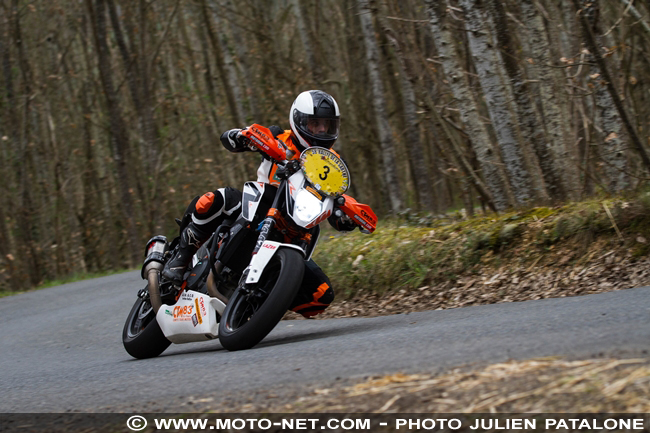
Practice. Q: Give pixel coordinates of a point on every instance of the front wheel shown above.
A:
(253, 312)
(142, 336)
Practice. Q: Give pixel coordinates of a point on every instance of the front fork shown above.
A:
(267, 226)
(269, 221)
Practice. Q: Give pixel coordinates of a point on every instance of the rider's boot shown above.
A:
(191, 239)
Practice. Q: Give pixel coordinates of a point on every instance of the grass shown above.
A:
(412, 250)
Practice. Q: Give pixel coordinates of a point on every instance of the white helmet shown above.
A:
(314, 119)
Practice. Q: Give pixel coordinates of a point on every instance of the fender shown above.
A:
(262, 258)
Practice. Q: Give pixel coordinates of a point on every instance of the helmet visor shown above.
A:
(319, 128)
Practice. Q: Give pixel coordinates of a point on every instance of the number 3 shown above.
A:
(327, 170)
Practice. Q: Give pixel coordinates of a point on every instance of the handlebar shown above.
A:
(262, 138)
(286, 169)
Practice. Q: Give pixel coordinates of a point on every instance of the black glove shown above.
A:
(276, 130)
(234, 141)
(341, 221)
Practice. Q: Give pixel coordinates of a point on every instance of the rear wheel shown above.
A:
(252, 312)
(142, 336)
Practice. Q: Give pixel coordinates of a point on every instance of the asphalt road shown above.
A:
(61, 347)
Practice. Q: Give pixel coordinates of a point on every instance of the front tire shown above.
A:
(142, 336)
(252, 313)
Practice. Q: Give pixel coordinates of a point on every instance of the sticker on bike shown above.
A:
(325, 170)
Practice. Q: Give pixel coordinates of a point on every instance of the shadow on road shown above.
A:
(298, 336)
(293, 336)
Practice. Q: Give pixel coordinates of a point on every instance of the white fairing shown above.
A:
(262, 258)
(251, 198)
(192, 318)
(308, 210)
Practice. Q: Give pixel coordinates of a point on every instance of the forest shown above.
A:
(111, 110)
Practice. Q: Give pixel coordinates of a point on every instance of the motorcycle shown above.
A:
(244, 278)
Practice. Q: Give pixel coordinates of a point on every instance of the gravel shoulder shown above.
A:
(617, 383)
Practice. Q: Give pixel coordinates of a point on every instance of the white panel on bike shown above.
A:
(251, 198)
(309, 210)
(296, 183)
(192, 318)
(307, 207)
(262, 258)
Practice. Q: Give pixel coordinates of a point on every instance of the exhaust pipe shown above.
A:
(151, 268)
(153, 278)
(212, 287)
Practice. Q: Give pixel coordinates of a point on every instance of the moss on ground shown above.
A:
(411, 251)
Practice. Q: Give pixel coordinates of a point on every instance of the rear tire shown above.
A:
(142, 336)
(249, 317)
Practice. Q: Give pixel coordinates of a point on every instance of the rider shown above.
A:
(314, 118)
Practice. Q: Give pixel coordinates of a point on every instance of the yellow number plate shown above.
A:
(325, 170)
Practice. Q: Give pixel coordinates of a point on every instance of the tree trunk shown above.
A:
(358, 145)
(312, 63)
(467, 106)
(243, 55)
(118, 134)
(223, 76)
(138, 80)
(386, 142)
(557, 159)
(421, 176)
(461, 161)
(230, 67)
(87, 213)
(25, 212)
(613, 116)
(531, 128)
(504, 125)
